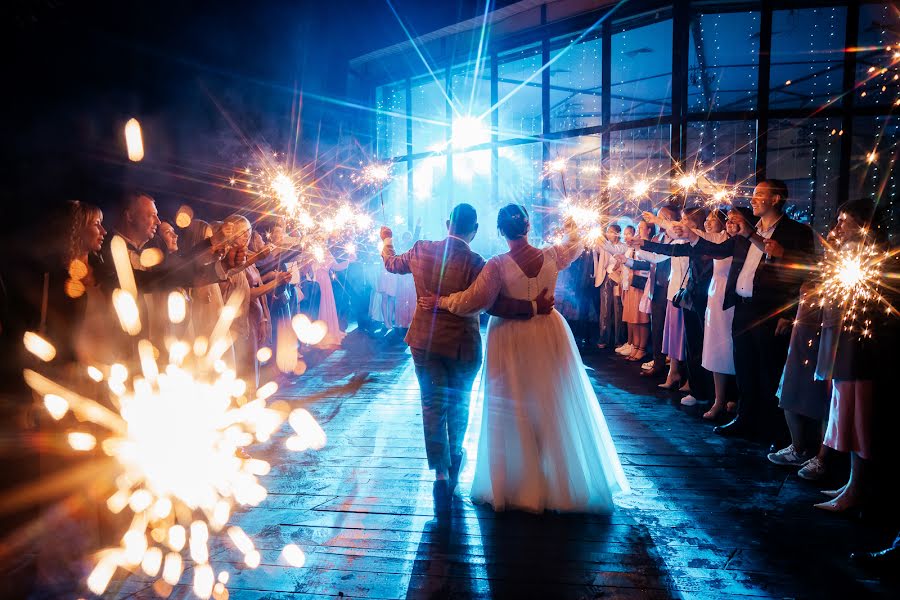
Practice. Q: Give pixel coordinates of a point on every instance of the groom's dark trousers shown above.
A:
(446, 348)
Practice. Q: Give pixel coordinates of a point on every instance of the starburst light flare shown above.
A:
(852, 277)
(173, 428)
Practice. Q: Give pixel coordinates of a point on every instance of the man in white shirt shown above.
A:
(764, 287)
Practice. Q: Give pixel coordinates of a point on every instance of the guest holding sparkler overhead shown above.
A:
(673, 337)
(770, 264)
(859, 335)
(693, 301)
(656, 294)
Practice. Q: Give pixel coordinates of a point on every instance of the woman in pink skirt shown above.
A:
(853, 354)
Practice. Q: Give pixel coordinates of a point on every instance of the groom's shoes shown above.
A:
(457, 461)
(441, 494)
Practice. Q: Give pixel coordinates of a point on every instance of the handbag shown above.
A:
(683, 298)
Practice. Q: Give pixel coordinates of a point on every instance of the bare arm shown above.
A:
(479, 296)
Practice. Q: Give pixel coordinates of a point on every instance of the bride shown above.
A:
(544, 443)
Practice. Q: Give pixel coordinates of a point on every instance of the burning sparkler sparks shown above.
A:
(851, 279)
(174, 431)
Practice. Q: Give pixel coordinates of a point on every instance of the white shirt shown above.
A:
(744, 285)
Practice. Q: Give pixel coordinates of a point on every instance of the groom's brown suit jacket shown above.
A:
(441, 268)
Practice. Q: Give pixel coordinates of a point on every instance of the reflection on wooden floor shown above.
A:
(708, 518)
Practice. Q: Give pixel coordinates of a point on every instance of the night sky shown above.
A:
(195, 73)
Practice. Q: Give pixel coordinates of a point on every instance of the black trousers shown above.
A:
(759, 357)
(657, 325)
(699, 378)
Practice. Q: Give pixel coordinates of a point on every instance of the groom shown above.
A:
(446, 348)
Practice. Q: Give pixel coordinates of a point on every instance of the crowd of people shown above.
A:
(723, 307)
(729, 309)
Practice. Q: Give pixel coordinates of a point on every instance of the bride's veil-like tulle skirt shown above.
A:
(544, 444)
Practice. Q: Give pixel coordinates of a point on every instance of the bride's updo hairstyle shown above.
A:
(512, 221)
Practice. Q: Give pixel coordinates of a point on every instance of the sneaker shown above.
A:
(689, 401)
(788, 457)
(625, 350)
(812, 470)
(647, 366)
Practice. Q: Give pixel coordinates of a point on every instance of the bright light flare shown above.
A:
(640, 188)
(38, 346)
(469, 131)
(134, 141)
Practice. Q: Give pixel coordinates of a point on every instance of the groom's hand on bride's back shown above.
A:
(544, 303)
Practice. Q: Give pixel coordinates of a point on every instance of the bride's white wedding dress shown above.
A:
(544, 443)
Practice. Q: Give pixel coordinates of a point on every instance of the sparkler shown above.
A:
(174, 435)
(375, 175)
(851, 279)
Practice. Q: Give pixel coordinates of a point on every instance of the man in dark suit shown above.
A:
(446, 348)
(770, 264)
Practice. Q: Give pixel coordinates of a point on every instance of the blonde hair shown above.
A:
(79, 215)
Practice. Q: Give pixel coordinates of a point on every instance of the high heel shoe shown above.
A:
(714, 412)
(685, 388)
(670, 386)
(839, 504)
(834, 493)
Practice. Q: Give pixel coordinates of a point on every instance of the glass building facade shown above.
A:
(739, 90)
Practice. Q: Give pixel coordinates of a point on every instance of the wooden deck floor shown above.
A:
(708, 517)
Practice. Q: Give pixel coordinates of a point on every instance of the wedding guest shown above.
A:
(206, 300)
(804, 399)
(75, 312)
(763, 286)
(673, 340)
(137, 225)
(718, 347)
(637, 321)
(322, 270)
(855, 351)
(610, 304)
(659, 276)
(236, 231)
(260, 287)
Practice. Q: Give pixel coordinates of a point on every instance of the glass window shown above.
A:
(641, 83)
(391, 122)
(519, 94)
(472, 184)
(872, 172)
(471, 95)
(723, 62)
(725, 153)
(429, 114)
(640, 162)
(395, 197)
(806, 155)
(430, 197)
(877, 70)
(575, 85)
(807, 57)
(519, 170)
(581, 177)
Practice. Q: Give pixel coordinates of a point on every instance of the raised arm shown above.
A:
(480, 295)
(393, 262)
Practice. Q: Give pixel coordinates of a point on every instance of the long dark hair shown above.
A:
(512, 221)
